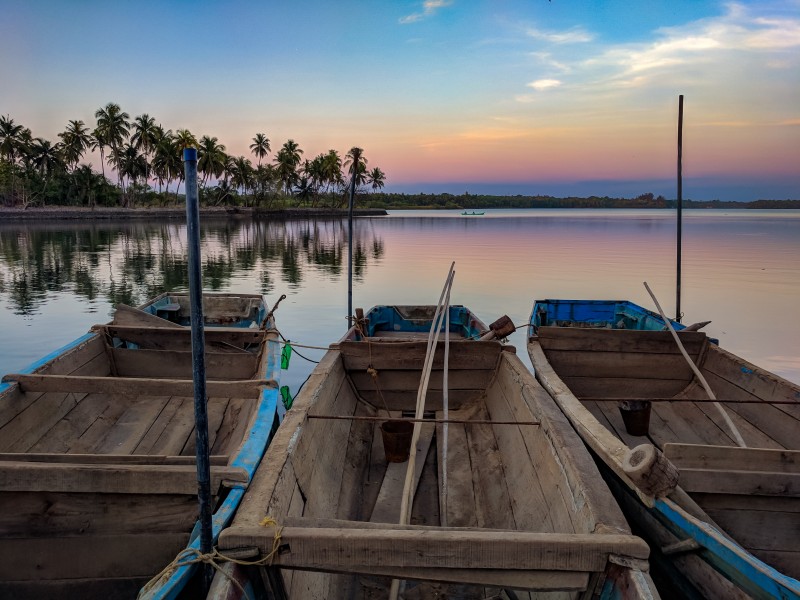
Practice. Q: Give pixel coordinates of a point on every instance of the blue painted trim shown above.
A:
(248, 458)
(388, 318)
(50, 357)
(744, 569)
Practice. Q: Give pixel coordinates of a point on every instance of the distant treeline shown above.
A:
(477, 201)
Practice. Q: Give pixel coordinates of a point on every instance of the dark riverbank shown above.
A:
(83, 214)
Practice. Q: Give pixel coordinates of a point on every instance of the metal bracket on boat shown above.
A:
(681, 547)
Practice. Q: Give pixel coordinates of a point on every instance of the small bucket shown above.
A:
(397, 440)
(636, 416)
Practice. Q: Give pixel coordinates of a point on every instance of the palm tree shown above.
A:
(355, 161)
(242, 174)
(144, 137)
(46, 159)
(333, 169)
(131, 164)
(211, 158)
(76, 140)
(185, 139)
(166, 158)
(10, 138)
(112, 131)
(377, 178)
(260, 147)
(286, 162)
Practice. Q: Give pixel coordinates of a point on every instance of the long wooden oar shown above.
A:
(725, 416)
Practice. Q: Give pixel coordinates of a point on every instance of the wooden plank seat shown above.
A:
(435, 551)
(27, 476)
(135, 386)
(734, 470)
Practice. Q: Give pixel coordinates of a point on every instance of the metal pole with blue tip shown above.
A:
(356, 158)
(198, 358)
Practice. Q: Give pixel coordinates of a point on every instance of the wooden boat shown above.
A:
(731, 527)
(524, 507)
(98, 483)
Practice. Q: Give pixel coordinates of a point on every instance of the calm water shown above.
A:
(741, 271)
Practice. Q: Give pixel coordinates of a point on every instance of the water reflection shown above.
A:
(130, 262)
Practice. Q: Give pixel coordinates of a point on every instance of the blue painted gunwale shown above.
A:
(387, 318)
(596, 313)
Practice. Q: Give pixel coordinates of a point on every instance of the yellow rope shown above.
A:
(191, 556)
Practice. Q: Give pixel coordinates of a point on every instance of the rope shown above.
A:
(193, 556)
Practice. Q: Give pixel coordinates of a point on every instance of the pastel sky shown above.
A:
(504, 96)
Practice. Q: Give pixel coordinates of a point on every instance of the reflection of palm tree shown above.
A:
(112, 131)
(260, 146)
(76, 140)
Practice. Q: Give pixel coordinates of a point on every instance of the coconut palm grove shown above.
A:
(141, 165)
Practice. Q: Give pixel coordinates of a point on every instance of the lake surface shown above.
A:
(741, 270)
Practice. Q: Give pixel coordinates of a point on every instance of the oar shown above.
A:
(725, 416)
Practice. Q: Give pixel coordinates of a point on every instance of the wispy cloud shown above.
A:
(576, 35)
(544, 84)
(429, 8)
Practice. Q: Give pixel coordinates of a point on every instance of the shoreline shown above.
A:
(106, 214)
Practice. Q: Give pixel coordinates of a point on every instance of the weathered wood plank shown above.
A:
(88, 556)
(342, 549)
(132, 425)
(624, 387)
(60, 437)
(91, 459)
(397, 380)
(177, 364)
(235, 423)
(54, 514)
(167, 338)
(530, 506)
(757, 483)
(732, 457)
(355, 466)
(29, 426)
(109, 478)
(387, 505)
(572, 363)
(137, 386)
(177, 432)
(619, 340)
(407, 401)
(457, 502)
(215, 408)
(358, 356)
(97, 430)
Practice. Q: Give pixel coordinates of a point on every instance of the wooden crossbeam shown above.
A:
(136, 386)
(93, 459)
(364, 550)
(137, 335)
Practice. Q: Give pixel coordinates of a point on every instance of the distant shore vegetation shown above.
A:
(145, 169)
(146, 161)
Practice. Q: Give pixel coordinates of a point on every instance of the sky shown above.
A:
(559, 97)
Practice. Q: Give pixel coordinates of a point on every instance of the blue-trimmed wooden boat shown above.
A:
(731, 527)
(98, 489)
(524, 508)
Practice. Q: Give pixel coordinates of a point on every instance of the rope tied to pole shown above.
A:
(215, 559)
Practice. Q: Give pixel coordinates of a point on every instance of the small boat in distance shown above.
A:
(97, 447)
(509, 499)
(472, 214)
(723, 520)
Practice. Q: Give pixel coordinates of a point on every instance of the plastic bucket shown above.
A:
(636, 416)
(397, 440)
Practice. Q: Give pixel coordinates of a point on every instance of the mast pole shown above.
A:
(678, 314)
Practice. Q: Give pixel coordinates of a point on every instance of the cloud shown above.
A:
(576, 35)
(544, 84)
(429, 8)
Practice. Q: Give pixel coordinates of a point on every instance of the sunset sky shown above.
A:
(506, 96)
